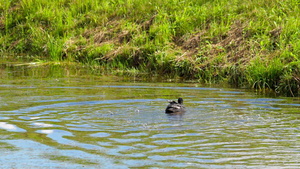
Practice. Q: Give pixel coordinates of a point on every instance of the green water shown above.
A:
(60, 117)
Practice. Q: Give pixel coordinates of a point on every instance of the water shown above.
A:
(61, 118)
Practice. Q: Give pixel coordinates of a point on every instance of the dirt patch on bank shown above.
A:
(116, 34)
(120, 37)
(99, 35)
(233, 46)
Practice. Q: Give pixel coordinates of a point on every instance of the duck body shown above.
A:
(175, 107)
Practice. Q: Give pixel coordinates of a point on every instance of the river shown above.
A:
(52, 117)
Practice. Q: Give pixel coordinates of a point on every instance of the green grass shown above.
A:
(245, 43)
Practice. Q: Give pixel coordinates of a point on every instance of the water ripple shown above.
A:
(123, 126)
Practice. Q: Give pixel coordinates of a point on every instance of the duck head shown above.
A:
(180, 100)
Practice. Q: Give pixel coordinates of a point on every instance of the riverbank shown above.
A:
(243, 43)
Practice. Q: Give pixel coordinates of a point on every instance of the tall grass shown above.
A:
(265, 74)
(211, 41)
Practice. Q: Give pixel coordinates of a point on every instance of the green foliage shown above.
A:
(152, 36)
(55, 49)
(263, 75)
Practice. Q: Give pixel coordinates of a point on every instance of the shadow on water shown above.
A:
(64, 117)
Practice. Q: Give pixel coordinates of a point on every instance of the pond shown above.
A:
(56, 117)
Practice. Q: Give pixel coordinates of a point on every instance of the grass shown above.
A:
(245, 43)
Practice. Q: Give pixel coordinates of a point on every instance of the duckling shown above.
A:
(175, 107)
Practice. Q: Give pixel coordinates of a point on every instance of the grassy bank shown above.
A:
(245, 43)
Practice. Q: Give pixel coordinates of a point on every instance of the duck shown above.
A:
(175, 107)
